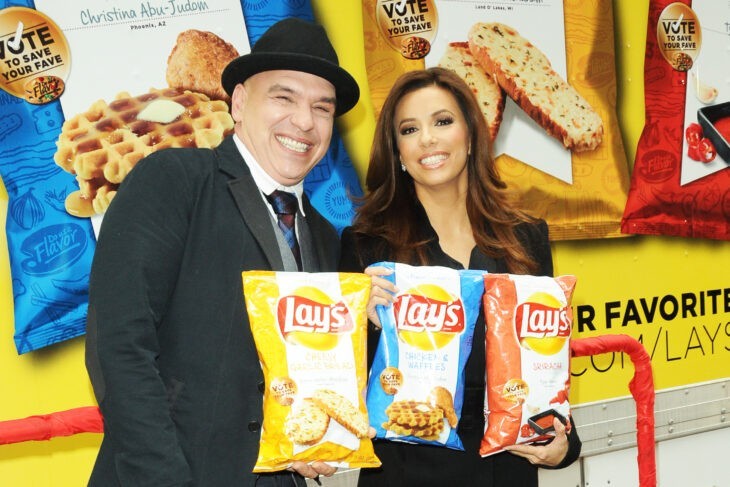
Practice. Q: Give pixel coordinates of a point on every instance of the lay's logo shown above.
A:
(296, 313)
(428, 317)
(419, 313)
(314, 323)
(543, 324)
(538, 320)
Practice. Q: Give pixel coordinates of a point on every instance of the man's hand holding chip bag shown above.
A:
(315, 469)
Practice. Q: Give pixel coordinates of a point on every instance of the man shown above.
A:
(169, 350)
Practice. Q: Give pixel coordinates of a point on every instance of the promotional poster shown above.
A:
(75, 122)
(544, 74)
(607, 119)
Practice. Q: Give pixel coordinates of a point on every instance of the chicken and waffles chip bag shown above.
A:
(310, 333)
(416, 386)
(528, 320)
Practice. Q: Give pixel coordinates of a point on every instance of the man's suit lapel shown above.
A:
(256, 216)
(253, 210)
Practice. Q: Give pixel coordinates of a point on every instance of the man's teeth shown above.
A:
(292, 144)
(431, 160)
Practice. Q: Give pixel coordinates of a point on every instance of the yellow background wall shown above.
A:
(620, 269)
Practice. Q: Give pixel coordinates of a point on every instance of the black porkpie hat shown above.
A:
(297, 45)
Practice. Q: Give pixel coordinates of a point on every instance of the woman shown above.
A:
(435, 198)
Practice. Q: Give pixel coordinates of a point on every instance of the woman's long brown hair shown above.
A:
(389, 209)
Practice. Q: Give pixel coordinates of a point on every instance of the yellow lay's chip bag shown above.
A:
(528, 320)
(310, 333)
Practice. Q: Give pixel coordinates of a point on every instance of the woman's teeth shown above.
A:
(431, 160)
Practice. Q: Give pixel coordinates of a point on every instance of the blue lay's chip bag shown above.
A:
(416, 385)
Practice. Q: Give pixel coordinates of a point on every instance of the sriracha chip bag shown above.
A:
(680, 185)
(310, 333)
(416, 386)
(528, 320)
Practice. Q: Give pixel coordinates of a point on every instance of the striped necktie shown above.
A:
(285, 206)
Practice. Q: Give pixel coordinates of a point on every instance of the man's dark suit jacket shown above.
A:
(169, 350)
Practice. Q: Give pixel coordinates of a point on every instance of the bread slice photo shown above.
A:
(527, 76)
(458, 58)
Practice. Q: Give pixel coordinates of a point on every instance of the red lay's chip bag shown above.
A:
(310, 333)
(680, 185)
(528, 320)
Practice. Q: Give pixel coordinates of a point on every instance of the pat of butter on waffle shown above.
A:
(101, 145)
(161, 111)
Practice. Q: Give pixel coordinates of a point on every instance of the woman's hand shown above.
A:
(549, 455)
(381, 292)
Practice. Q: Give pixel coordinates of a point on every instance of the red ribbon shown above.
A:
(46, 426)
(642, 390)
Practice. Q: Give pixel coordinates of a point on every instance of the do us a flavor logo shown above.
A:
(428, 317)
(311, 318)
(543, 323)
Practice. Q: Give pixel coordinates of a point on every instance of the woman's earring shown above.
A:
(403, 167)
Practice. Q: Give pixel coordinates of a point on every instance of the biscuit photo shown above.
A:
(307, 424)
(440, 397)
(343, 411)
(197, 61)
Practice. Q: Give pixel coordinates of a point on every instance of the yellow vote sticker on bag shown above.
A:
(679, 36)
(34, 55)
(408, 26)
